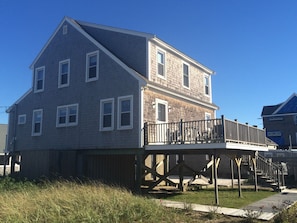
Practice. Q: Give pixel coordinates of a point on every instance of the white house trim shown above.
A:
(180, 96)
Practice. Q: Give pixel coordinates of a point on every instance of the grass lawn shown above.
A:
(227, 197)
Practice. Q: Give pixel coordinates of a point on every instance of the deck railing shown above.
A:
(203, 131)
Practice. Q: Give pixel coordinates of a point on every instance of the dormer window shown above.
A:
(92, 66)
(39, 79)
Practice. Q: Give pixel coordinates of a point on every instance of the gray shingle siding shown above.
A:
(114, 81)
(131, 49)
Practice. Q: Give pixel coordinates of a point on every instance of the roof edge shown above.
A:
(116, 29)
(178, 52)
(284, 103)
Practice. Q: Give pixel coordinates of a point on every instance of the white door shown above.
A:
(161, 120)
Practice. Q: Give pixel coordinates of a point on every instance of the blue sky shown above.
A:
(251, 45)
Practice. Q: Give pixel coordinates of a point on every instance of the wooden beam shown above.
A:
(161, 178)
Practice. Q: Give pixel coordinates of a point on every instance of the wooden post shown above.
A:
(12, 164)
(215, 165)
(232, 173)
(223, 128)
(180, 172)
(165, 166)
(212, 170)
(238, 163)
(181, 132)
(154, 166)
(254, 160)
(283, 176)
(6, 158)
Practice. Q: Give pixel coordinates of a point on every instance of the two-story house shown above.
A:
(280, 122)
(93, 89)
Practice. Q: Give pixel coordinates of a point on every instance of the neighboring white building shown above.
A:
(3, 133)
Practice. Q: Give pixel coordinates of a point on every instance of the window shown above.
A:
(161, 63)
(161, 112)
(64, 73)
(67, 115)
(65, 29)
(92, 66)
(37, 122)
(206, 85)
(185, 75)
(39, 79)
(125, 112)
(22, 119)
(106, 114)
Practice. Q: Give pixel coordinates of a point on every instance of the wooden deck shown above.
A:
(204, 135)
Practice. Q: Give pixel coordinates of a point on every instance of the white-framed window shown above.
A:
(186, 80)
(37, 122)
(125, 112)
(161, 63)
(39, 79)
(64, 73)
(106, 114)
(162, 111)
(92, 66)
(67, 115)
(206, 85)
(22, 119)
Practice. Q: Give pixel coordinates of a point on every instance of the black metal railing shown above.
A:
(203, 131)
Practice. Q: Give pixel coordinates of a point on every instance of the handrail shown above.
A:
(203, 131)
(272, 170)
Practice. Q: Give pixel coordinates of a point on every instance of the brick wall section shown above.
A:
(174, 74)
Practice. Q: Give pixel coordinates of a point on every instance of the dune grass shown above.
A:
(70, 201)
(67, 201)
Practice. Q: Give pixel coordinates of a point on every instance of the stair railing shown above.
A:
(271, 170)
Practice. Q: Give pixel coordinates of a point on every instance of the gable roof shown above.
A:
(287, 107)
(148, 36)
(77, 26)
(114, 29)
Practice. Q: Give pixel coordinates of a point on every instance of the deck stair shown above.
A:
(270, 174)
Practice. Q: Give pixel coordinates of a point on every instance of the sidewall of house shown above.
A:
(118, 170)
(114, 82)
